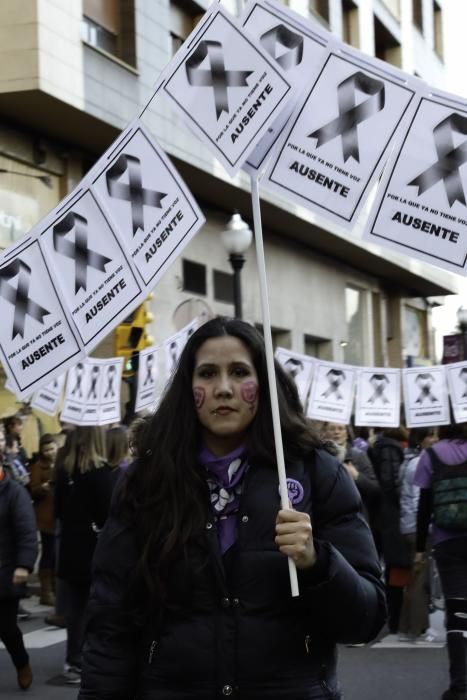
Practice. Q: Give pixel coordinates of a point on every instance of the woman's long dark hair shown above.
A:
(164, 493)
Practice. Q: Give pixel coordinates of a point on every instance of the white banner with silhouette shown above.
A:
(332, 392)
(378, 397)
(93, 392)
(457, 382)
(47, 399)
(300, 367)
(426, 399)
(148, 379)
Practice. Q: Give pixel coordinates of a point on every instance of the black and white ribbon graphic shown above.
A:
(335, 377)
(79, 371)
(281, 37)
(379, 383)
(18, 296)
(351, 114)
(133, 192)
(110, 391)
(217, 77)
(425, 383)
(450, 159)
(77, 250)
(149, 363)
(92, 393)
(463, 378)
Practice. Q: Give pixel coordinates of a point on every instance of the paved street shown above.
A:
(385, 671)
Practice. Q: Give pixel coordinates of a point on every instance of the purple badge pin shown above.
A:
(295, 491)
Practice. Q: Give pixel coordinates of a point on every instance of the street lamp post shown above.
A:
(462, 322)
(237, 239)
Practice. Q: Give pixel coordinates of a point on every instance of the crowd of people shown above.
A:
(167, 541)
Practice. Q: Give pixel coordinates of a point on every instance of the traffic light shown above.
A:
(131, 337)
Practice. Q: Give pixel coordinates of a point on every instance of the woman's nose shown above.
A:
(224, 386)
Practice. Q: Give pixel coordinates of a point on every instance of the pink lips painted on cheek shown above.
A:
(249, 393)
(199, 396)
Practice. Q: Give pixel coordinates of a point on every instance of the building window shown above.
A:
(356, 318)
(415, 333)
(320, 8)
(417, 14)
(194, 277)
(318, 347)
(184, 16)
(26, 195)
(438, 29)
(350, 23)
(387, 48)
(223, 287)
(110, 26)
(394, 7)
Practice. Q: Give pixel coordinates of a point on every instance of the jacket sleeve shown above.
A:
(25, 531)
(367, 482)
(36, 485)
(389, 468)
(110, 648)
(343, 591)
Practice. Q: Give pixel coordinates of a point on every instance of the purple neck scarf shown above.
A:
(224, 477)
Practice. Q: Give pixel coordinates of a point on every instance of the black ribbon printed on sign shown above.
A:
(449, 160)
(335, 378)
(278, 38)
(379, 383)
(351, 114)
(18, 296)
(149, 367)
(92, 393)
(217, 77)
(425, 383)
(110, 391)
(133, 192)
(79, 372)
(77, 250)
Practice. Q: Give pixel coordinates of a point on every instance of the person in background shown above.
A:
(18, 552)
(387, 455)
(357, 464)
(135, 434)
(117, 448)
(191, 593)
(83, 490)
(13, 463)
(42, 492)
(361, 438)
(14, 428)
(414, 618)
(441, 475)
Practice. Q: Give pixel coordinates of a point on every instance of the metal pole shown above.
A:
(237, 260)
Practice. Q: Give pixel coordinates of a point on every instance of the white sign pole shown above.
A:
(263, 286)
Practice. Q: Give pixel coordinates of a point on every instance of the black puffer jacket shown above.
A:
(18, 536)
(232, 627)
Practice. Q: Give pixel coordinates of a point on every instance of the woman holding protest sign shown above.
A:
(191, 595)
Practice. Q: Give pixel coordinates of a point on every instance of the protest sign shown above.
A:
(332, 392)
(93, 392)
(227, 88)
(149, 205)
(98, 284)
(425, 396)
(36, 338)
(338, 139)
(296, 46)
(420, 208)
(300, 368)
(457, 382)
(174, 345)
(148, 375)
(378, 397)
(47, 399)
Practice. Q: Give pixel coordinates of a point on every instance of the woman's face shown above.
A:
(336, 432)
(225, 391)
(49, 451)
(429, 441)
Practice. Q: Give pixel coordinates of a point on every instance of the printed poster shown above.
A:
(148, 376)
(338, 139)
(296, 46)
(300, 368)
(93, 392)
(47, 399)
(332, 392)
(174, 345)
(420, 209)
(37, 341)
(149, 205)
(97, 283)
(378, 397)
(425, 396)
(227, 88)
(457, 383)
